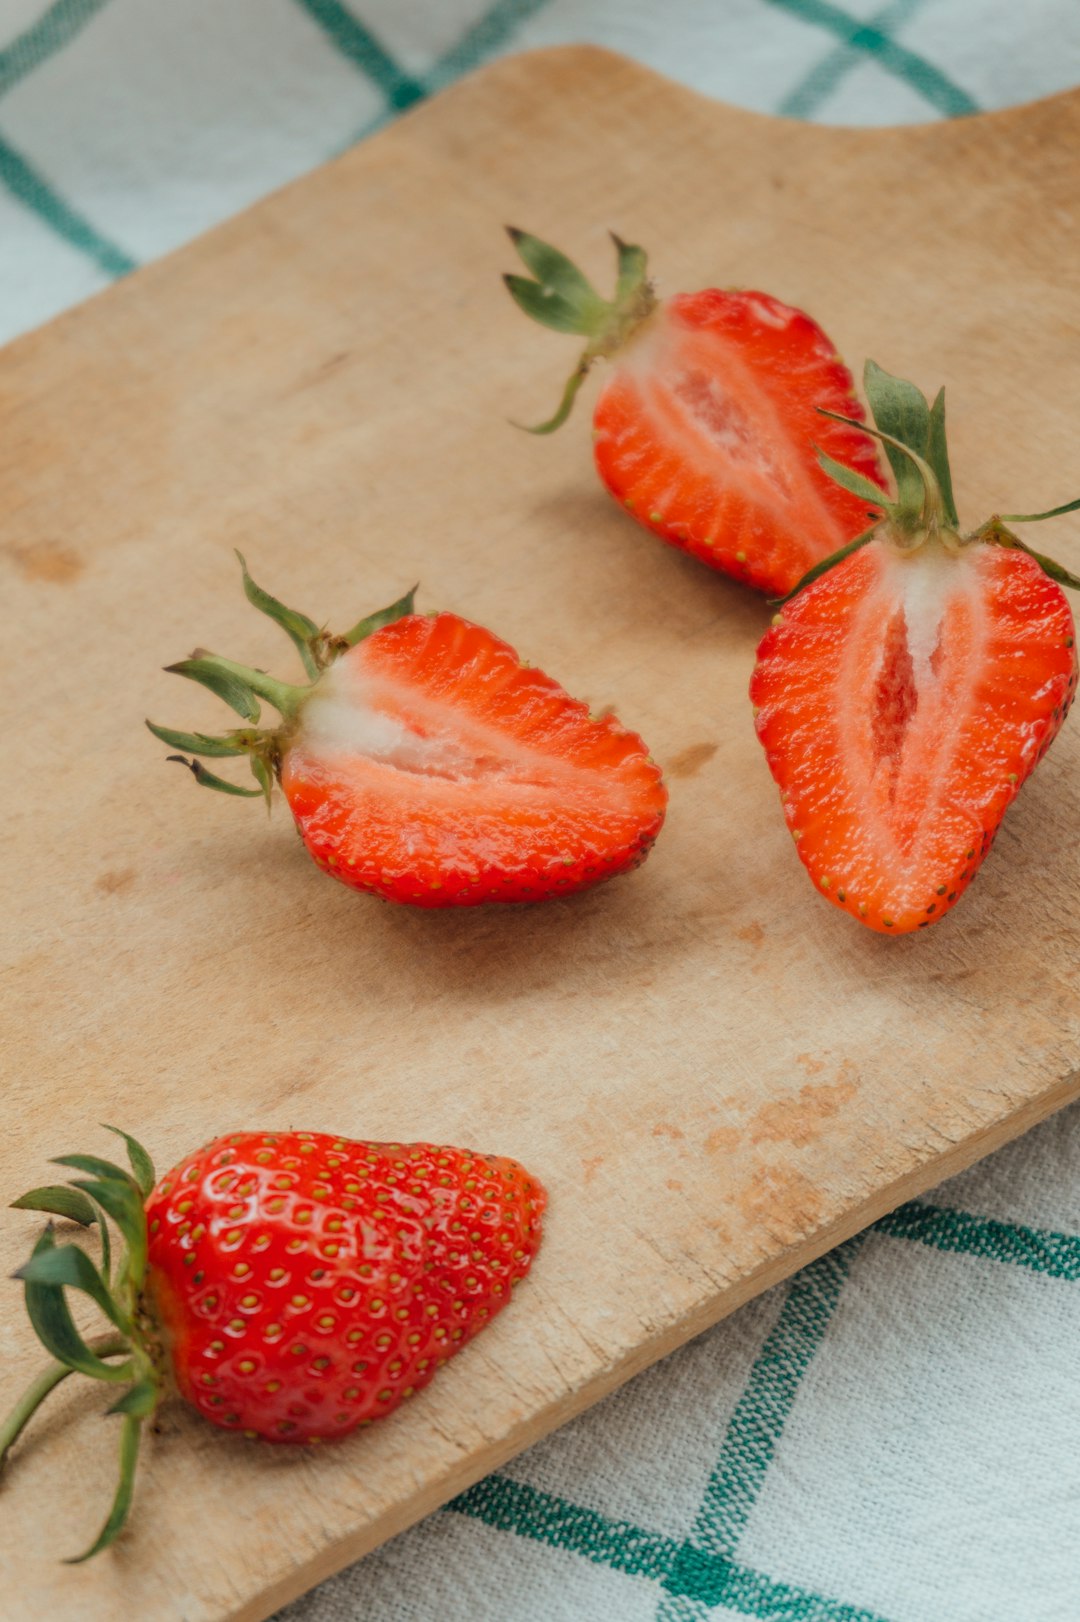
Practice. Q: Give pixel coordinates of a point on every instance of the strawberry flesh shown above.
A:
(902, 701)
(706, 430)
(432, 767)
(304, 1285)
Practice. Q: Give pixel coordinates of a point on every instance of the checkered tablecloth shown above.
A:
(894, 1435)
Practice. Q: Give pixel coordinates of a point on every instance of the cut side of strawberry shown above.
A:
(432, 767)
(705, 430)
(426, 764)
(902, 701)
(911, 684)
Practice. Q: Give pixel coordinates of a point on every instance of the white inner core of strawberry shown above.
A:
(727, 424)
(905, 688)
(707, 402)
(361, 715)
(355, 724)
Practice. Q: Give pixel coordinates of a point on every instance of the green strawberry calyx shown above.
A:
(923, 511)
(242, 688)
(127, 1353)
(559, 296)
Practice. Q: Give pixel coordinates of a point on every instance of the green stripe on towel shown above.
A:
(31, 188)
(359, 45)
(56, 26)
(1057, 1255)
(921, 75)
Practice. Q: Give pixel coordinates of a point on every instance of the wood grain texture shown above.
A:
(717, 1076)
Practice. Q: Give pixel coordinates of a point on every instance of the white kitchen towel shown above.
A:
(893, 1435)
(126, 126)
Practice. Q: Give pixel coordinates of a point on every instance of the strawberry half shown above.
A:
(289, 1285)
(911, 685)
(705, 426)
(426, 764)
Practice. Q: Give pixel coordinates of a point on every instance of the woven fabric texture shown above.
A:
(894, 1434)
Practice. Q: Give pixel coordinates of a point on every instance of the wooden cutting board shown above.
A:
(717, 1075)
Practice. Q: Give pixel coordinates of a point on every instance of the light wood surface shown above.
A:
(716, 1075)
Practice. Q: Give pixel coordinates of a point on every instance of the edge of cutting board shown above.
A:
(542, 1424)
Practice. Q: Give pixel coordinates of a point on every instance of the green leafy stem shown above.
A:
(559, 296)
(241, 687)
(105, 1193)
(913, 434)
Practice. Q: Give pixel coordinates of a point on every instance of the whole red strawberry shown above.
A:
(426, 764)
(290, 1285)
(911, 684)
(705, 425)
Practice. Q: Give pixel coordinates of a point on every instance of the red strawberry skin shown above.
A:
(304, 1285)
(902, 702)
(432, 767)
(706, 427)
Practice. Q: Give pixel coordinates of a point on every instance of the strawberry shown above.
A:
(288, 1285)
(425, 763)
(704, 427)
(912, 683)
